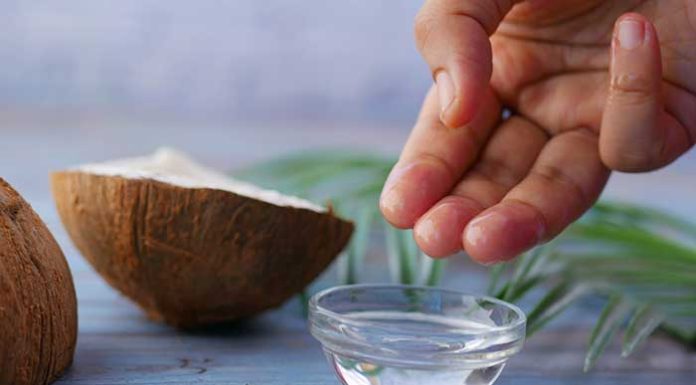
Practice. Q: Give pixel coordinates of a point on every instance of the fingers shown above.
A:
(564, 182)
(636, 133)
(452, 36)
(433, 160)
(506, 160)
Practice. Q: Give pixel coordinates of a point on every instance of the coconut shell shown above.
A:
(195, 256)
(38, 309)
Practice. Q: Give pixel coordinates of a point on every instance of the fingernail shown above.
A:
(445, 90)
(631, 33)
(394, 175)
(391, 201)
(475, 233)
(427, 231)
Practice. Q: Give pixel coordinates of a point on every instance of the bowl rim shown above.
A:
(314, 303)
(332, 339)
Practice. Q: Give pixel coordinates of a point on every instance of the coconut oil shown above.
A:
(389, 335)
(352, 372)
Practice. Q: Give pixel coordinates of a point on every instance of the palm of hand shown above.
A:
(554, 71)
(498, 188)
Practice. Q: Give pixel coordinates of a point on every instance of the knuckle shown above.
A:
(627, 160)
(554, 175)
(496, 171)
(632, 88)
(472, 60)
(423, 27)
(438, 162)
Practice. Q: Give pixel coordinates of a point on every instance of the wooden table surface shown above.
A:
(118, 345)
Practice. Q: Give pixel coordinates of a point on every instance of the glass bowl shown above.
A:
(393, 334)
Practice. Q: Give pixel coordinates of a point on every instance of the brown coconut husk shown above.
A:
(38, 309)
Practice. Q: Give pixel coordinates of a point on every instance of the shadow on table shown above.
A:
(250, 327)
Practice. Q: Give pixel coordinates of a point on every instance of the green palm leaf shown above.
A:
(643, 323)
(554, 302)
(610, 320)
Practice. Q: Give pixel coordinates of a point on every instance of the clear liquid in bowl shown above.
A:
(435, 333)
(353, 372)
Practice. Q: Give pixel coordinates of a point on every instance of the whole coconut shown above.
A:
(192, 246)
(38, 309)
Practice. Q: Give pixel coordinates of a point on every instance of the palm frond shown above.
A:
(321, 174)
(642, 259)
(495, 277)
(402, 255)
(432, 270)
(646, 265)
(350, 263)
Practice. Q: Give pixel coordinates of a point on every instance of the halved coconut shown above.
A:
(189, 244)
(38, 309)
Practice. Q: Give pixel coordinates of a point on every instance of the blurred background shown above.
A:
(220, 61)
(231, 82)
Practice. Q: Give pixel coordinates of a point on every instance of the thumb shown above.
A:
(636, 133)
(452, 36)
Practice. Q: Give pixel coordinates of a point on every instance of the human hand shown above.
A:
(466, 179)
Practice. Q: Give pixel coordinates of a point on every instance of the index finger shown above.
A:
(433, 160)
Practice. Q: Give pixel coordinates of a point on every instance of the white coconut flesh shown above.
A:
(173, 167)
